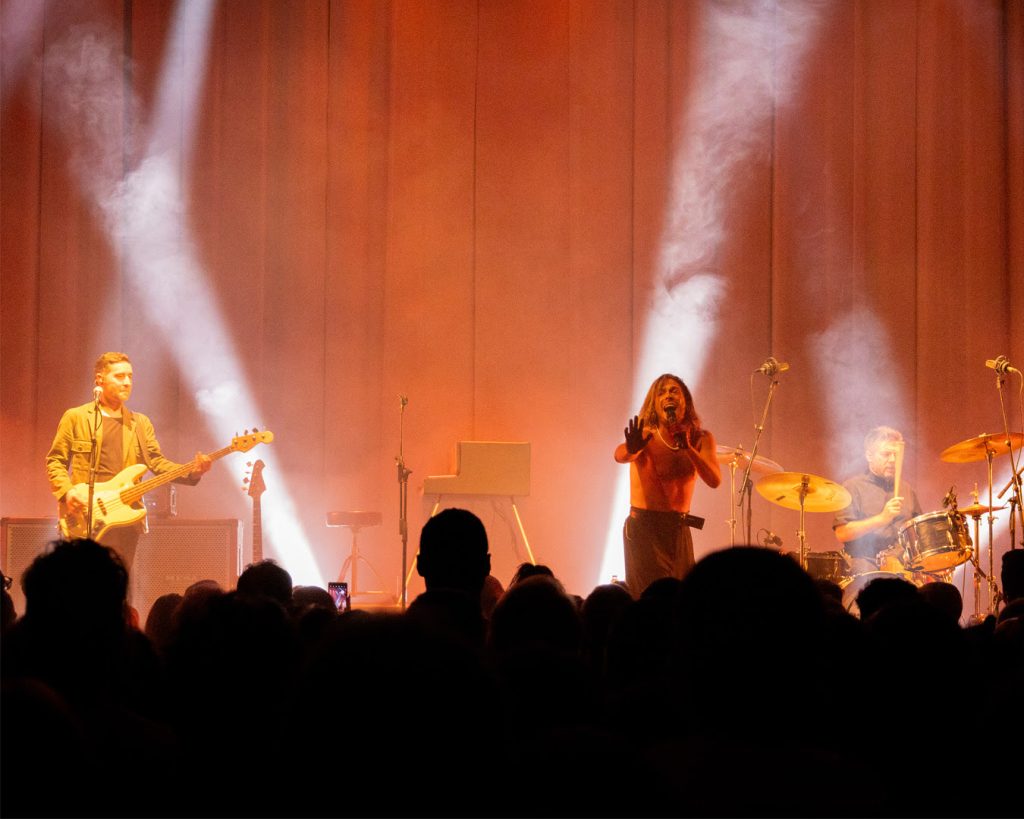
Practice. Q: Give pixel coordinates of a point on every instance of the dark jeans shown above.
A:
(124, 540)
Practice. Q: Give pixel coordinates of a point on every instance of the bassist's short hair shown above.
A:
(108, 360)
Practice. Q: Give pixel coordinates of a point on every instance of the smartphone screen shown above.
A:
(339, 593)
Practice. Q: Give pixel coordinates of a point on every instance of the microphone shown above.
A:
(771, 366)
(96, 393)
(773, 538)
(670, 414)
(1001, 365)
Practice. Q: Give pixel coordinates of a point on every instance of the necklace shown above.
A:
(666, 443)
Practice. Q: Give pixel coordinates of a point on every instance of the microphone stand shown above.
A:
(746, 486)
(1015, 504)
(1015, 499)
(93, 465)
(403, 496)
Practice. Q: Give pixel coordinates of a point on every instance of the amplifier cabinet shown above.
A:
(174, 554)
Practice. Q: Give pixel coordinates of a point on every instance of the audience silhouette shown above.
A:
(744, 689)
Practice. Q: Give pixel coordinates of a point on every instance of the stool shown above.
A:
(354, 520)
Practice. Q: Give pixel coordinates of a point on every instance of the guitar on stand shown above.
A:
(256, 489)
(119, 501)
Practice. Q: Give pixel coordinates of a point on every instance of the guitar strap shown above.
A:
(145, 458)
(142, 444)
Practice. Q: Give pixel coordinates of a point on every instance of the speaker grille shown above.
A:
(177, 553)
(170, 557)
(21, 539)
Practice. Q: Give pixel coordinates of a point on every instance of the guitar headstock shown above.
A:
(256, 486)
(243, 443)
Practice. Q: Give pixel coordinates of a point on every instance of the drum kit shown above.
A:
(927, 548)
(985, 447)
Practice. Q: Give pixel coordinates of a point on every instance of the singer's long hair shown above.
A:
(649, 411)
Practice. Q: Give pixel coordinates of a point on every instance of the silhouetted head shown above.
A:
(1012, 574)
(266, 579)
(453, 552)
(743, 614)
(602, 608)
(882, 592)
(312, 596)
(528, 569)
(79, 583)
(664, 588)
(161, 619)
(945, 597)
(830, 590)
(536, 613)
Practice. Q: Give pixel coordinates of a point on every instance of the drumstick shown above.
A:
(899, 446)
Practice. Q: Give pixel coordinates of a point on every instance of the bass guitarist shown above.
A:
(123, 438)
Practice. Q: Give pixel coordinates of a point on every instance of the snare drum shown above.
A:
(933, 542)
(827, 566)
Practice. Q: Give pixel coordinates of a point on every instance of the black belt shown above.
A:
(690, 520)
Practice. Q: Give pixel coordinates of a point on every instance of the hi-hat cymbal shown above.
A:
(978, 509)
(761, 465)
(976, 449)
(819, 494)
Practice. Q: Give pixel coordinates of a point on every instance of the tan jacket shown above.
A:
(69, 452)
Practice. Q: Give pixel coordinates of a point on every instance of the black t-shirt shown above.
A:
(112, 450)
(869, 494)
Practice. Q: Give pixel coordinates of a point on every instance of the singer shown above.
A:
(123, 438)
(870, 523)
(666, 449)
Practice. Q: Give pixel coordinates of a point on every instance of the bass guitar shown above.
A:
(256, 489)
(118, 502)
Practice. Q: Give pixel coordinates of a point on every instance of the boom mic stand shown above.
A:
(92, 458)
(1002, 366)
(403, 496)
(771, 368)
(1015, 505)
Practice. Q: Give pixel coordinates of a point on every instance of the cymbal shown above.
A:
(975, 449)
(820, 495)
(761, 465)
(978, 509)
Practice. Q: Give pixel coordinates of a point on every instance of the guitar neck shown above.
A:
(134, 493)
(257, 531)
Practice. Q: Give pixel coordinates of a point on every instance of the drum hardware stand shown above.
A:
(976, 565)
(770, 368)
(403, 498)
(802, 534)
(993, 590)
(732, 506)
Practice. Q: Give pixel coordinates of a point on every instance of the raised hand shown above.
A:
(635, 438)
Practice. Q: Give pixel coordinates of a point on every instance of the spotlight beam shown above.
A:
(749, 57)
(145, 215)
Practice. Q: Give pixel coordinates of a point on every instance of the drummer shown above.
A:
(869, 525)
